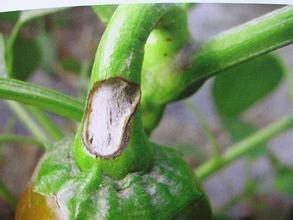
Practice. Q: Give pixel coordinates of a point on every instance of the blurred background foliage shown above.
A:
(55, 48)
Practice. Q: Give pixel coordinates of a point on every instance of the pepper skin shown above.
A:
(168, 190)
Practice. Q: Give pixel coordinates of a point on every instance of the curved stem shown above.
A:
(121, 48)
(43, 98)
(240, 149)
(180, 75)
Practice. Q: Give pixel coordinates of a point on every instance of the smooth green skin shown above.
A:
(167, 190)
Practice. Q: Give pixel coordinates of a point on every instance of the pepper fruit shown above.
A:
(110, 169)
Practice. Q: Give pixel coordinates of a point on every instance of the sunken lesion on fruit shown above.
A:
(110, 107)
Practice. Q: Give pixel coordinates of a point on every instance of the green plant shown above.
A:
(144, 61)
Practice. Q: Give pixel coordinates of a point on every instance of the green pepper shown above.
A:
(110, 169)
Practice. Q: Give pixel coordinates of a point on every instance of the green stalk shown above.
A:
(42, 98)
(124, 40)
(243, 147)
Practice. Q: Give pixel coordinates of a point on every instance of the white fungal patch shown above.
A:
(110, 107)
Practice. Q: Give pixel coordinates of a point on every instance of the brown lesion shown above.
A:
(110, 107)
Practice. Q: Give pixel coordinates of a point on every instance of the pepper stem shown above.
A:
(111, 135)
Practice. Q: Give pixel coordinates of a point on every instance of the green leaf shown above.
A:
(238, 88)
(43, 98)
(23, 18)
(239, 130)
(26, 58)
(284, 182)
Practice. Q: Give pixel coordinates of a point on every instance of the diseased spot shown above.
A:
(183, 58)
(111, 119)
(110, 107)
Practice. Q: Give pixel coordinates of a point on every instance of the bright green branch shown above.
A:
(43, 98)
(243, 147)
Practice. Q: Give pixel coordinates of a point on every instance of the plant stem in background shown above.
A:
(46, 123)
(10, 124)
(289, 76)
(7, 196)
(85, 68)
(31, 125)
(249, 189)
(240, 149)
(43, 98)
(8, 138)
(206, 129)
